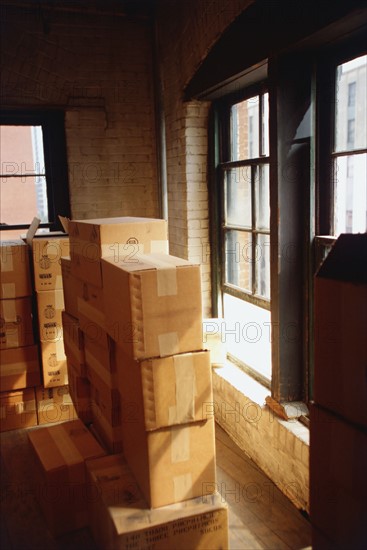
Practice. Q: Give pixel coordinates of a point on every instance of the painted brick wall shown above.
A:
(187, 30)
(99, 68)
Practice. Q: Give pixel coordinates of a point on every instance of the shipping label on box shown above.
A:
(72, 286)
(47, 253)
(16, 323)
(18, 409)
(15, 276)
(154, 306)
(121, 518)
(54, 365)
(50, 304)
(166, 390)
(19, 368)
(54, 405)
(59, 453)
(124, 238)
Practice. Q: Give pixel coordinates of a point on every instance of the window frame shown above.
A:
(55, 157)
(219, 154)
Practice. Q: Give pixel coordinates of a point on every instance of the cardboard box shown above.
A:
(338, 479)
(154, 306)
(340, 314)
(59, 472)
(18, 409)
(109, 436)
(105, 391)
(19, 368)
(15, 272)
(72, 286)
(73, 342)
(79, 387)
(54, 367)
(120, 518)
(54, 405)
(91, 308)
(99, 357)
(47, 252)
(16, 323)
(124, 238)
(171, 464)
(166, 390)
(50, 304)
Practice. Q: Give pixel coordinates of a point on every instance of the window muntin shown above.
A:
(349, 156)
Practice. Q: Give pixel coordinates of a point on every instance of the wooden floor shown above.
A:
(260, 516)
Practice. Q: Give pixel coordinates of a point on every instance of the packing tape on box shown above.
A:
(25, 406)
(60, 351)
(168, 344)
(167, 281)
(68, 450)
(99, 370)
(18, 367)
(7, 290)
(180, 444)
(12, 337)
(6, 259)
(9, 311)
(58, 282)
(182, 487)
(59, 299)
(185, 382)
(2, 412)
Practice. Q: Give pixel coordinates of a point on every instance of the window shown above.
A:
(245, 232)
(33, 178)
(350, 148)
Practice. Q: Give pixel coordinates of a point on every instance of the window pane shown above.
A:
(262, 197)
(238, 259)
(262, 263)
(265, 125)
(238, 196)
(351, 105)
(247, 333)
(244, 127)
(350, 195)
(22, 181)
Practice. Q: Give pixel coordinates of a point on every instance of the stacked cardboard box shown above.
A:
(46, 253)
(121, 518)
(155, 319)
(90, 240)
(139, 311)
(58, 473)
(20, 369)
(338, 433)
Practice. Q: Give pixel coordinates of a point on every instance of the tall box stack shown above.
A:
(338, 432)
(90, 240)
(20, 367)
(140, 312)
(155, 318)
(46, 253)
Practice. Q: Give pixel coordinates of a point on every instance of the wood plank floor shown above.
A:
(260, 516)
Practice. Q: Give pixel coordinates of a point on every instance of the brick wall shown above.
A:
(99, 69)
(186, 32)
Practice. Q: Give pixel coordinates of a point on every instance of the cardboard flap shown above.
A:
(347, 259)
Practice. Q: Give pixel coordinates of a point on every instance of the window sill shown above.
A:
(257, 393)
